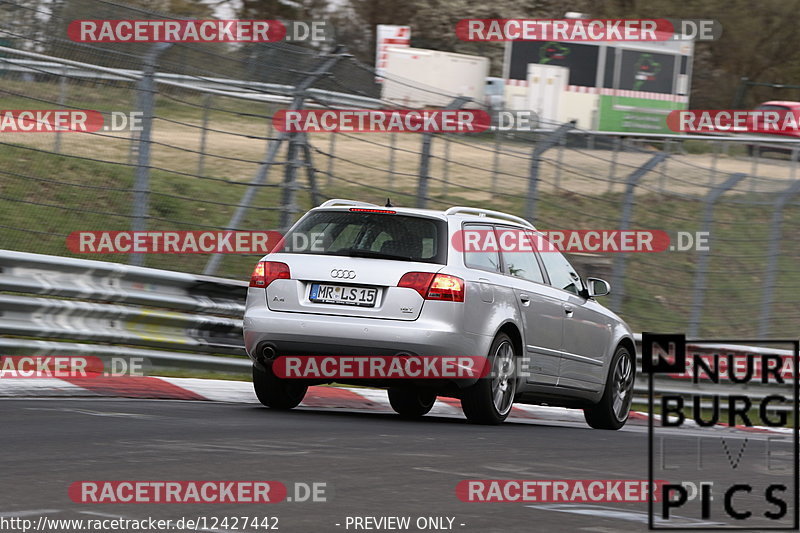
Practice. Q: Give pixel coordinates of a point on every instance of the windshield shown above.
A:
(376, 235)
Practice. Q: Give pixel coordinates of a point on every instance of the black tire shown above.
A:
(478, 401)
(613, 409)
(275, 392)
(411, 403)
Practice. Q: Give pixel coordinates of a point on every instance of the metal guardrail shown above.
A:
(166, 317)
(755, 389)
(48, 304)
(249, 90)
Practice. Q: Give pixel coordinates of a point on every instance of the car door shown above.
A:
(486, 285)
(541, 310)
(587, 332)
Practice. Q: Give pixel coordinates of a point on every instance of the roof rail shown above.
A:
(340, 201)
(488, 212)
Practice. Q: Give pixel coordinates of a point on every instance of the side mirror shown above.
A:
(597, 287)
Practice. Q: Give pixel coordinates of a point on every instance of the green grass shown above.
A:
(45, 196)
(659, 287)
(692, 146)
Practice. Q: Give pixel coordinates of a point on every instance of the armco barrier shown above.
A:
(683, 385)
(65, 306)
(112, 309)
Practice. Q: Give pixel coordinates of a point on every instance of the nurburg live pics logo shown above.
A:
(719, 478)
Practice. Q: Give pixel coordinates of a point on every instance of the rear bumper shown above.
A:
(309, 334)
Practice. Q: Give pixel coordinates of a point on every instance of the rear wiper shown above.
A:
(356, 252)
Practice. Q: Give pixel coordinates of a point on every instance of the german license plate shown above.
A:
(343, 295)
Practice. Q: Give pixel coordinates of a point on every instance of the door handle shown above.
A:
(568, 310)
(525, 299)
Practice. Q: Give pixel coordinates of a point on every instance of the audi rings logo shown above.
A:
(343, 274)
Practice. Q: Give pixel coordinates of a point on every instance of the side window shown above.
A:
(519, 262)
(562, 275)
(482, 260)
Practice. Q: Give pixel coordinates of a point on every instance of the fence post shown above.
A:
(662, 180)
(425, 156)
(496, 161)
(618, 272)
(289, 192)
(699, 286)
(62, 101)
(533, 177)
(446, 166)
(392, 150)
(559, 161)
(612, 171)
(288, 206)
(272, 151)
(754, 166)
(311, 172)
(773, 255)
(141, 185)
(331, 148)
(712, 179)
(203, 130)
(133, 146)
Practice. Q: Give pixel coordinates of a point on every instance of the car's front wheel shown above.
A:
(410, 403)
(489, 401)
(275, 392)
(612, 411)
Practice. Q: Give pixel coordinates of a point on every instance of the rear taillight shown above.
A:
(446, 287)
(383, 211)
(419, 281)
(435, 286)
(268, 271)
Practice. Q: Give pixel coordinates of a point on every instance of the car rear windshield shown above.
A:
(375, 235)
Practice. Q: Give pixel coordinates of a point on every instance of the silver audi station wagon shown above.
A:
(354, 278)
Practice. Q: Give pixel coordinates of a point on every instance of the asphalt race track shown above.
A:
(373, 464)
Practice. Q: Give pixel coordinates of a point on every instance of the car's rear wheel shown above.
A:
(411, 403)
(275, 392)
(489, 401)
(612, 411)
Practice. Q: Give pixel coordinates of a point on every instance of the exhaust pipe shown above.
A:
(267, 354)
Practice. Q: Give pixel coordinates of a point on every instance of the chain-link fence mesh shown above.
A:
(212, 141)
